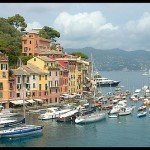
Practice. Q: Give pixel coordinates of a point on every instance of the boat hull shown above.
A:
(22, 133)
(80, 120)
(108, 84)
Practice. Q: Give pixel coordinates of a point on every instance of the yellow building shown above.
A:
(49, 65)
(4, 84)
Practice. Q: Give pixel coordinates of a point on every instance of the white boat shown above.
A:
(52, 113)
(146, 73)
(6, 113)
(142, 114)
(68, 115)
(141, 108)
(106, 82)
(93, 117)
(125, 111)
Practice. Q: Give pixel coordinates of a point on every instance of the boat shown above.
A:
(52, 113)
(68, 116)
(146, 73)
(21, 131)
(113, 116)
(142, 114)
(141, 108)
(93, 117)
(125, 111)
(24, 129)
(105, 82)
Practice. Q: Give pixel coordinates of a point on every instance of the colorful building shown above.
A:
(33, 44)
(4, 78)
(50, 65)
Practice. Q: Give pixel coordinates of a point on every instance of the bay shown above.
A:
(126, 131)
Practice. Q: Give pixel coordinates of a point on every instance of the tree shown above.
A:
(49, 33)
(79, 54)
(10, 41)
(17, 21)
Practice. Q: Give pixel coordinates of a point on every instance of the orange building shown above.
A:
(33, 44)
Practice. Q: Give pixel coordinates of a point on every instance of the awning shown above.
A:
(18, 102)
(30, 101)
(39, 100)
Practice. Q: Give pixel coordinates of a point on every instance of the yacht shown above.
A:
(104, 82)
(125, 111)
(53, 112)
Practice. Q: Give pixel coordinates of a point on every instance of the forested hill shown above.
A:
(116, 59)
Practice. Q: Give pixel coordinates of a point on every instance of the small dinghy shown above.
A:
(142, 114)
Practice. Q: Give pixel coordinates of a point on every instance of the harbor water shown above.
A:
(125, 131)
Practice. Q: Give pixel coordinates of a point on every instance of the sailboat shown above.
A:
(24, 129)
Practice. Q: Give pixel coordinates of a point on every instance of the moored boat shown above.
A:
(93, 117)
(125, 111)
(142, 114)
(113, 116)
(21, 131)
(141, 108)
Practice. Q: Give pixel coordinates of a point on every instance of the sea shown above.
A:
(125, 131)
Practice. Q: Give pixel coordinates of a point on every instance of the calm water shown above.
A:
(126, 131)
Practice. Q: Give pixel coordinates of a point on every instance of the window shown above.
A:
(3, 74)
(45, 77)
(50, 91)
(56, 73)
(1, 86)
(30, 42)
(39, 77)
(18, 94)
(40, 86)
(33, 76)
(3, 66)
(18, 80)
(50, 83)
(33, 85)
(46, 93)
(1, 95)
(18, 86)
(25, 49)
(39, 93)
(55, 99)
(25, 42)
(33, 93)
(45, 86)
(34, 59)
(50, 73)
(56, 90)
(50, 100)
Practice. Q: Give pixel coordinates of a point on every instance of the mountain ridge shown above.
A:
(116, 59)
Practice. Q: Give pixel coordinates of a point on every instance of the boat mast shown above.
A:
(22, 87)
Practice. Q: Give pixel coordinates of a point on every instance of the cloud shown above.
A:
(93, 29)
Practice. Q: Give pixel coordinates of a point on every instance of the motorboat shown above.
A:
(68, 116)
(141, 108)
(93, 117)
(125, 111)
(21, 131)
(6, 113)
(53, 112)
(142, 114)
(106, 82)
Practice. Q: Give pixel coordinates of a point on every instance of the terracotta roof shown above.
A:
(51, 52)
(27, 70)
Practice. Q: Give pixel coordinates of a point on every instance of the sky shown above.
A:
(99, 25)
